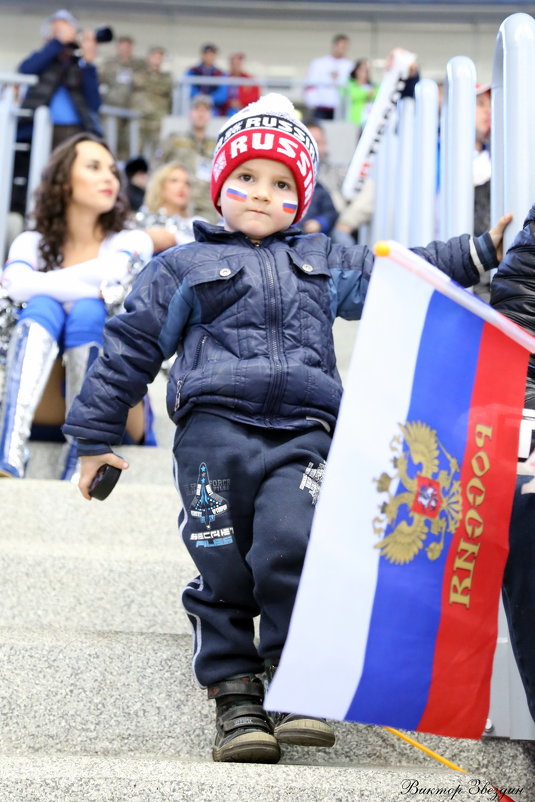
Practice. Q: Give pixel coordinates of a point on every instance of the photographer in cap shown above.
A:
(68, 85)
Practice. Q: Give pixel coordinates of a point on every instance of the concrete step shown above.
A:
(39, 778)
(36, 510)
(94, 587)
(80, 693)
(116, 565)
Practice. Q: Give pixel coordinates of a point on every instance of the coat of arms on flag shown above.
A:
(398, 601)
(423, 497)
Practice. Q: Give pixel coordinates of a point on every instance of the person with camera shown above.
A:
(68, 80)
(67, 83)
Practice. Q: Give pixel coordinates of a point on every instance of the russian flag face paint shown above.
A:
(235, 194)
(289, 207)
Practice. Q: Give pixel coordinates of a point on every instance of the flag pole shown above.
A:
(441, 282)
(501, 796)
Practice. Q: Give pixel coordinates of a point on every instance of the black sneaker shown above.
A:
(244, 730)
(292, 728)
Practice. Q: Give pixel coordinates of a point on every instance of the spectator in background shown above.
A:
(239, 96)
(481, 173)
(360, 92)
(117, 83)
(67, 84)
(410, 84)
(331, 177)
(324, 78)
(412, 78)
(194, 149)
(358, 212)
(207, 69)
(168, 203)
(321, 215)
(136, 171)
(481, 163)
(152, 95)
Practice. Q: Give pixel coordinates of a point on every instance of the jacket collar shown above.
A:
(207, 232)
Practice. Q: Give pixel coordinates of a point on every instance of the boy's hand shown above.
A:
(90, 466)
(496, 233)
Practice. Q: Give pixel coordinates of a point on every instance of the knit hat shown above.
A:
(267, 129)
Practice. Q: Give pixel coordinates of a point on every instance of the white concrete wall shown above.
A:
(273, 47)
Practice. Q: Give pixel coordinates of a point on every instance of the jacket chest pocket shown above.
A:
(218, 287)
(313, 284)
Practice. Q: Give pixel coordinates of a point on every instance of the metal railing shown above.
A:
(110, 116)
(8, 130)
(292, 87)
(458, 125)
(513, 121)
(10, 113)
(423, 210)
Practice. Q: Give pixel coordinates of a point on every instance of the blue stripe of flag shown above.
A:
(406, 612)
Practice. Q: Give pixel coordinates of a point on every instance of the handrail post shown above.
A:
(458, 124)
(384, 170)
(8, 130)
(423, 204)
(404, 171)
(110, 130)
(39, 152)
(513, 122)
(133, 131)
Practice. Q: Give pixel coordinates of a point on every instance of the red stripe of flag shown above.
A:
(458, 700)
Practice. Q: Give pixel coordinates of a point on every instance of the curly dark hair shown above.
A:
(52, 198)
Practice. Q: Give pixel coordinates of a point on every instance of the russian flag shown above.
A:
(395, 621)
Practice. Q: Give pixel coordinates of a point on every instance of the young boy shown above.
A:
(254, 393)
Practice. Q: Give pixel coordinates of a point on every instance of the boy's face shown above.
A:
(259, 198)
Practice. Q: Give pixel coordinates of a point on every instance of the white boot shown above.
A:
(77, 362)
(30, 357)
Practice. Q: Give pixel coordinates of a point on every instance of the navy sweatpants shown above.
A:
(248, 498)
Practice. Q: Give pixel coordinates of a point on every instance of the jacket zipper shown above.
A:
(273, 329)
(195, 365)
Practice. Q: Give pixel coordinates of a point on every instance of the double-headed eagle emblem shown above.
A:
(423, 496)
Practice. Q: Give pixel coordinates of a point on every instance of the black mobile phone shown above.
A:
(105, 480)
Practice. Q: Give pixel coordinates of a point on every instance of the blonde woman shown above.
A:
(167, 203)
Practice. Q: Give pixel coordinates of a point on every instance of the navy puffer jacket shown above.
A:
(252, 327)
(513, 290)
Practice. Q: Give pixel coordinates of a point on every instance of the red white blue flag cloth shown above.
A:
(395, 621)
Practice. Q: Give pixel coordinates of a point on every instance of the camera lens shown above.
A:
(104, 34)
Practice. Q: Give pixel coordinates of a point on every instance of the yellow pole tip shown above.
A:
(381, 248)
